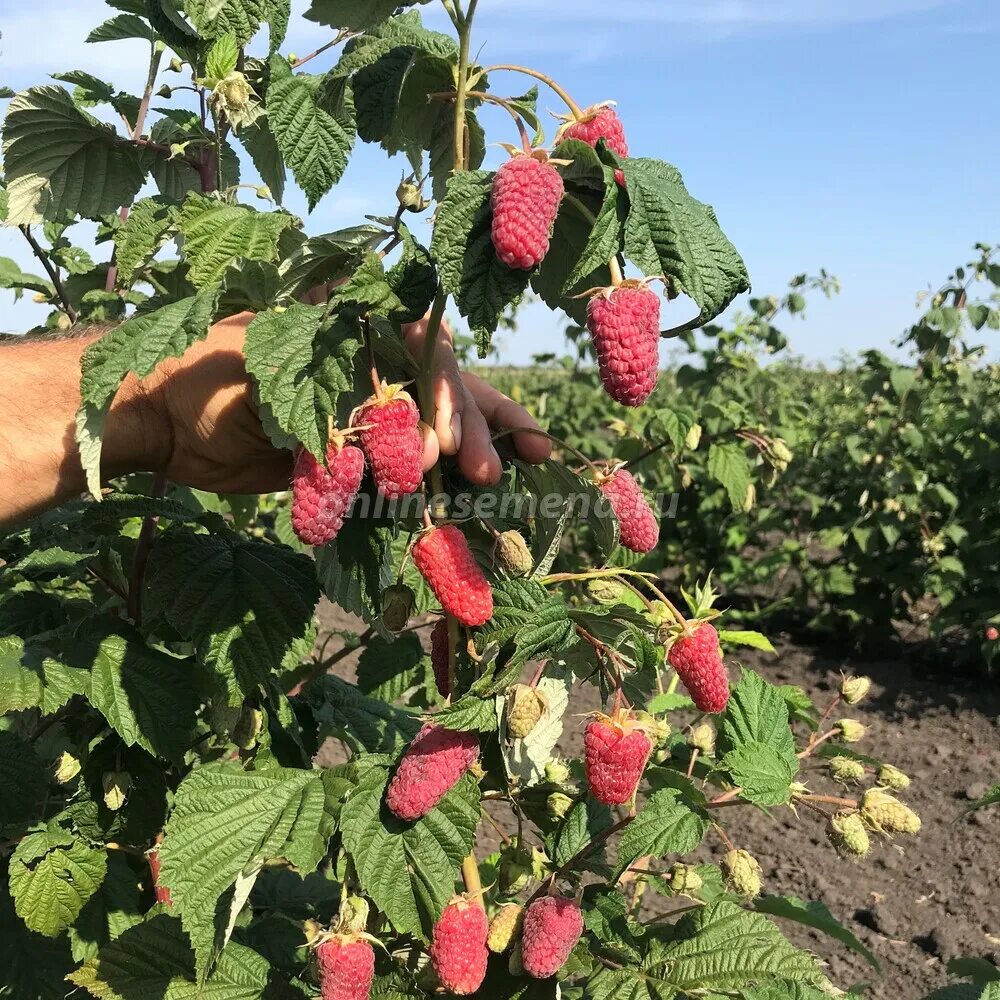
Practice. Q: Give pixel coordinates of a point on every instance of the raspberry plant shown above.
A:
(166, 830)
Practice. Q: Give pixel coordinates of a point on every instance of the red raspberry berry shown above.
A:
(552, 927)
(697, 658)
(616, 750)
(446, 562)
(439, 657)
(346, 964)
(992, 634)
(601, 122)
(527, 193)
(392, 441)
(637, 522)
(458, 946)
(321, 497)
(432, 765)
(620, 179)
(624, 323)
(161, 891)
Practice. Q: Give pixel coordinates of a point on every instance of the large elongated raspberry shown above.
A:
(697, 658)
(446, 562)
(391, 439)
(458, 946)
(439, 657)
(552, 927)
(526, 196)
(432, 765)
(616, 750)
(636, 520)
(599, 122)
(624, 323)
(321, 497)
(346, 964)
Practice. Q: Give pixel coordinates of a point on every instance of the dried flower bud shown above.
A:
(513, 555)
(557, 805)
(556, 772)
(702, 737)
(116, 785)
(684, 878)
(398, 602)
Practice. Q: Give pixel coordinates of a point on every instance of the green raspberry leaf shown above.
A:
(403, 31)
(33, 675)
(60, 161)
(222, 57)
(120, 28)
(664, 826)
(729, 465)
(240, 18)
(246, 605)
(816, 915)
(148, 227)
(757, 715)
(226, 821)
(409, 869)
(365, 724)
(670, 233)
(356, 566)
(482, 285)
(583, 824)
(763, 774)
(355, 14)
(413, 280)
(217, 233)
(314, 142)
(154, 959)
(302, 366)
(33, 966)
(52, 875)
(327, 258)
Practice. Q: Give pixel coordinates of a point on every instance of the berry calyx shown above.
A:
(552, 926)
(527, 193)
(697, 657)
(398, 602)
(446, 562)
(616, 749)
(432, 765)
(389, 431)
(458, 946)
(322, 495)
(638, 529)
(624, 323)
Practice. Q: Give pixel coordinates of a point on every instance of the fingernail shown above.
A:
(456, 429)
(496, 455)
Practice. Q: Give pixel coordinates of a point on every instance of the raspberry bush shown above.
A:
(165, 830)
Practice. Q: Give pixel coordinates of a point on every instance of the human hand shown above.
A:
(205, 432)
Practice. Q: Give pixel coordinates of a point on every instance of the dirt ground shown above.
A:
(917, 902)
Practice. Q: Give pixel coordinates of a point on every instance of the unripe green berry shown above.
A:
(684, 878)
(515, 869)
(851, 731)
(557, 805)
(892, 777)
(556, 772)
(525, 706)
(743, 873)
(847, 770)
(853, 689)
(398, 602)
(849, 835)
(886, 814)
(702, 737)
(605, 590)
(512, 554)
(504, 927)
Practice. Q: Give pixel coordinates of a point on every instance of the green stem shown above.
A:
(547, 80)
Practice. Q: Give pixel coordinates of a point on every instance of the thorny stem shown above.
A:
(816, 743)
(504, 836)
(142, 549)
(550, 437)
(724, 837)
(370, 347)
(826, 715)
(692, 761)
(829, 800)
(51, 270)
(547, 80)
(341, 36)
(538, 674)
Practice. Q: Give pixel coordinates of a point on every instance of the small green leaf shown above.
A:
(764, 775)
(122, 27)
(365, 724)
(729, 465)
(469, 714)
(222, 56)
(356, 15)
(745, 638)
(992, 797)
(52, 875)
(663, 826)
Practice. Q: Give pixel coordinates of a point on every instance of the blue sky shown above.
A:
(846, 134)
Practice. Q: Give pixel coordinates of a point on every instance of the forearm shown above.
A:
(39, 397)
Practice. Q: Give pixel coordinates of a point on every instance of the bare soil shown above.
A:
(916, 902)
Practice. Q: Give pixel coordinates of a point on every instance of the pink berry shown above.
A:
(393, 443)
(639, 531)
(526, 196)
(446, 562)
(552, 927)
(598, 123)
(346, 964)
(321, 497)
(458, 947)
(624, 323)
(615, 754)
(432, 765)
(697, 658)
